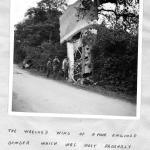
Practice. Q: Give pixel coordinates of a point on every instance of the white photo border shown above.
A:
(57, 115)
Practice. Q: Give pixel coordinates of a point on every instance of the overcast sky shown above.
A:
(21, 6)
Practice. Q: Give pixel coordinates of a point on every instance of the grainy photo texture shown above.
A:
(76, 57)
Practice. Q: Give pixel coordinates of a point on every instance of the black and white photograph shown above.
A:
(76, 58)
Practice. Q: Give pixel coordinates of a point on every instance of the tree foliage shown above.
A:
(114, 59)
(37, 36)
(116, 13)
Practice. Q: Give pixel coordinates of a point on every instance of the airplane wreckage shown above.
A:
(72, 31)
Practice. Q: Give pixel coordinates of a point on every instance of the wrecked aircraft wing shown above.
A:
(70, 24)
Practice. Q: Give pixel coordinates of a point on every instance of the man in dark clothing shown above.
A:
(49, 67)
(56, 65)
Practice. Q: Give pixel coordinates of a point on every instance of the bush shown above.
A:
(115, 60)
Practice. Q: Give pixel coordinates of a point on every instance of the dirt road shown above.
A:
(37, 94)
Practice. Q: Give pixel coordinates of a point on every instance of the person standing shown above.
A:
(65, 67)
(56, 64)
(49, 67)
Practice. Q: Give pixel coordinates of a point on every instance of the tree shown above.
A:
(117, 13)
(38, 34)
(53, 4)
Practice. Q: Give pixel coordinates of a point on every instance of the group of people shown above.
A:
(55, 67)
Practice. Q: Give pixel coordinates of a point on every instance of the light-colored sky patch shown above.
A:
(21, 6)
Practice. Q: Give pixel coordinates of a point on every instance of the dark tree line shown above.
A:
(114, 59)
(37, 37)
